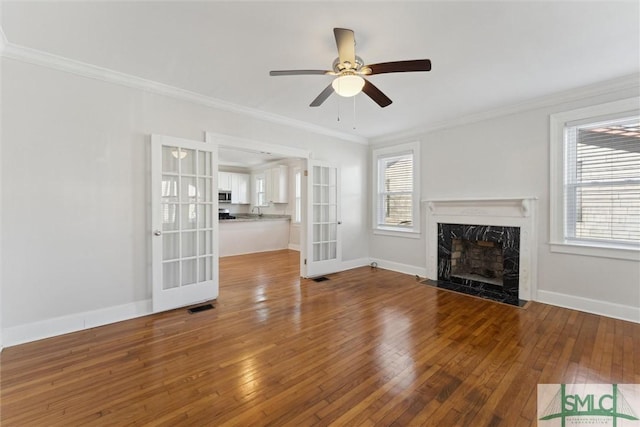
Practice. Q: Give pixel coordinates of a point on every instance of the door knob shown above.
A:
(157, 233)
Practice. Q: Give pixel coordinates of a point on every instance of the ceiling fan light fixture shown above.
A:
(348, 85)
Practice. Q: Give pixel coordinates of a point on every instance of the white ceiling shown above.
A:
(485, 55)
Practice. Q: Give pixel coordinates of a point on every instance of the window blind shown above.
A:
(602, 181)
(395, 190)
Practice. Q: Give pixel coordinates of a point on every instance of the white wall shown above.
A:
(509, 156)
(75, 187)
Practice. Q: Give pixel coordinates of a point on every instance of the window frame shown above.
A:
(557, 227)
(412, 148)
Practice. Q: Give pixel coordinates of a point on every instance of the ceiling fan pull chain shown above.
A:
(338, 100)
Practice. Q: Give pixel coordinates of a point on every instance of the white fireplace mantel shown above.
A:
(506, 212)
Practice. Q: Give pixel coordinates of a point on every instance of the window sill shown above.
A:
(596, 251)
(409, 234)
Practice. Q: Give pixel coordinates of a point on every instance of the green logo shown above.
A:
(587, 404)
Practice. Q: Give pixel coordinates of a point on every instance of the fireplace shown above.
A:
(481, 260)
(485, 247)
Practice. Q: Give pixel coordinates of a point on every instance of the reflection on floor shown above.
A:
(478, 289)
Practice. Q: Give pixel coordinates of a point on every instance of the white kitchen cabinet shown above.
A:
(224, 181)
(253, 236)
(240, 189)
(277, 184)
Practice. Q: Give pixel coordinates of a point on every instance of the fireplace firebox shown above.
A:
(480, 260)
(477, 260)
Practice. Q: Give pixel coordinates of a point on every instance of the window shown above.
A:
(297, 214)
(596, 180)
(261, 195)
(396, 195)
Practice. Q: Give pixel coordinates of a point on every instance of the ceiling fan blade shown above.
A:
(400, 66)
(322, 97)
(298, 72)
(346, 43)
(376, 94)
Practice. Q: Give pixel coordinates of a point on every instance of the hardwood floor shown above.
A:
(367, 347)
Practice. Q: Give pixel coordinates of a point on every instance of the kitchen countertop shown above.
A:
(255, 217)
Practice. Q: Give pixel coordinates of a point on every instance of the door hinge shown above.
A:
(306, 172)
(305, 261)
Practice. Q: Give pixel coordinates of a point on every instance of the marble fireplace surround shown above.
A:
(503, 212)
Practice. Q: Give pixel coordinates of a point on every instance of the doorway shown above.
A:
(320, 245)
(253, 155)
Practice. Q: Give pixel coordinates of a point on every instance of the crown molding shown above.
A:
(629, 82)
(37, 57)
(60, 63)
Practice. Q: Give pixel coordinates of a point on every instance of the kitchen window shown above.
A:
(261, 190)
(595, 191)
(396, 197)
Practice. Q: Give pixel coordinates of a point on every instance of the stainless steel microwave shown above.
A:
(224, 196)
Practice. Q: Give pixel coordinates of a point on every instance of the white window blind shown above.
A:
(395, 190)
(602, 182)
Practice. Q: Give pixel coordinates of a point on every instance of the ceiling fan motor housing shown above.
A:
(339, 67)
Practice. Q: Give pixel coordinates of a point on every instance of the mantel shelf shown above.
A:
(494, 207)
(479, 199)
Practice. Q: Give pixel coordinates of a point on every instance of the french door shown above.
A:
(323, 252)
(184, 232)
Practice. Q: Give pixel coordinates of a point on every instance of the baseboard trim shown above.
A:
(399, 267)
(294, 247)
(602, 308)
(354, 263)
(75, 322)
(255, 252)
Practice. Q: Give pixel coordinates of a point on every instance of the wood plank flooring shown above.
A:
(367, 347)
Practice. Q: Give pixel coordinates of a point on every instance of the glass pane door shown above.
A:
(183, 238)
(186, 206)
(325, 214)
(323, 227)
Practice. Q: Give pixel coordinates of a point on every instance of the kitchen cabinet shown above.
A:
(240, 189)
(236, 183)
(277, 184)
(224, 181)
(253, 236)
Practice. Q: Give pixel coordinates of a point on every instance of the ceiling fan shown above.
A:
(349, 70)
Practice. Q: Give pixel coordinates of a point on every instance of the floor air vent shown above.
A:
(200, 308)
